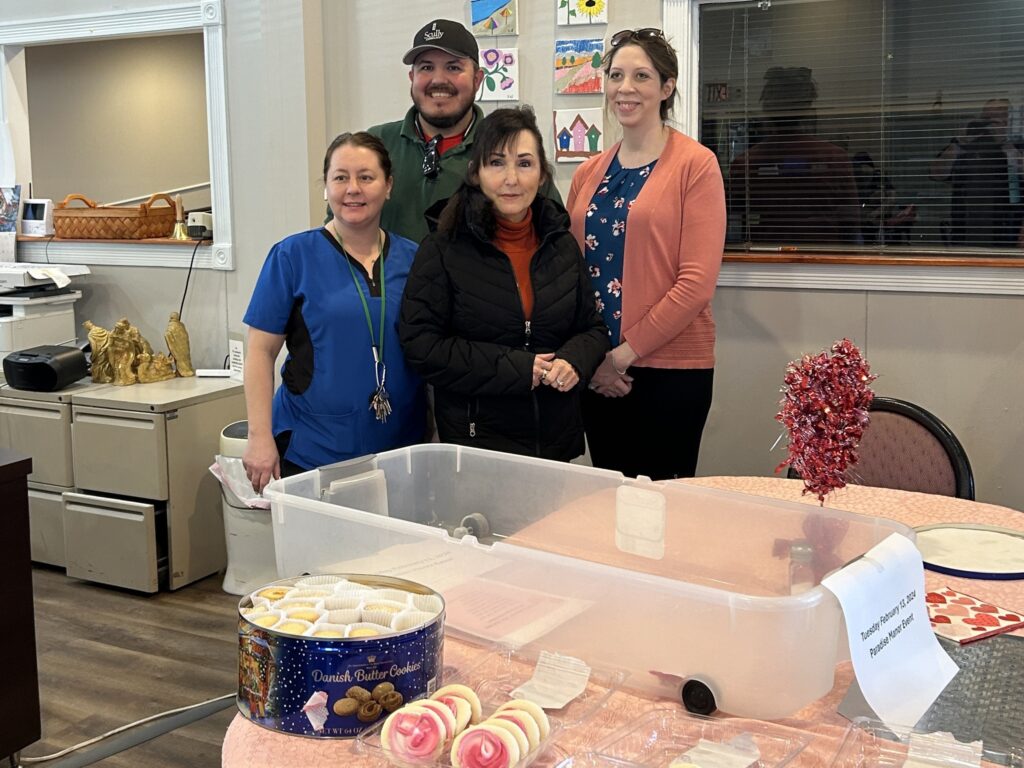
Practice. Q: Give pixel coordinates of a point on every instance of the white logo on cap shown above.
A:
(433, 34)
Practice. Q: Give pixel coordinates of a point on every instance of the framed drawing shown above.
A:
(501, 74)
(578, 66)
(582, 11)
(490, 18)
(578, 134)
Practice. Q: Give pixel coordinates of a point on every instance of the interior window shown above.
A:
(885, 126)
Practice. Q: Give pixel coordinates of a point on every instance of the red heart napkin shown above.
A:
(981, 619)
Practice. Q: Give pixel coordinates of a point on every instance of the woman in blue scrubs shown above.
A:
(332, 296)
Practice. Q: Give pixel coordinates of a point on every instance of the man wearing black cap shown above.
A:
(429, 148)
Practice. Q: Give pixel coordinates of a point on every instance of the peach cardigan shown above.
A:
(673, 252)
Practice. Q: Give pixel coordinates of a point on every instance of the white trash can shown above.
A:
(248, 532)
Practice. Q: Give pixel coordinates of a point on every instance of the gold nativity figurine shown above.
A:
(121, 353)
(176, 336)
(99, 339)
(123, 356)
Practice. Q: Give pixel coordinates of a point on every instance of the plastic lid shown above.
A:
(238, 430)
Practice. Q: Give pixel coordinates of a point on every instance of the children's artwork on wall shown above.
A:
(578, 66)
(582, 11)
(501, 74)
(494, 17)
(9, 204)
(578, 134)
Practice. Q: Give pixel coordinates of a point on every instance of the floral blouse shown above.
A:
(606, 237)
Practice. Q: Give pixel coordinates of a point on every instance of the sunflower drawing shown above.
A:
(590, 9)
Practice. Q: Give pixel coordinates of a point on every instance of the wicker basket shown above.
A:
(99, 222)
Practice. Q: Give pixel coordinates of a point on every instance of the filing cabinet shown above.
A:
(39, 424)
(121, 493)
(148, 512)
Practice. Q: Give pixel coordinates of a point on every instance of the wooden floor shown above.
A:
(109, 657)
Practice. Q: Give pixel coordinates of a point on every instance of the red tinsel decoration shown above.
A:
(825, 401)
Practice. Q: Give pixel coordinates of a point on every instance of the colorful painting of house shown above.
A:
(578, 66)
(494, 17)
(578, 134)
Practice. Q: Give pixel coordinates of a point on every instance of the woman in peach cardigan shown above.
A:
(649, 214)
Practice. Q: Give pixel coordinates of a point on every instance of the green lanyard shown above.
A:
(379, 402)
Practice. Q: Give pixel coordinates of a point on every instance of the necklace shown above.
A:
(380, 404)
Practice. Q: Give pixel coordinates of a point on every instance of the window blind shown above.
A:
(867, 125)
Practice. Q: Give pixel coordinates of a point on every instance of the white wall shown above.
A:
(961, 356)
(367, 36)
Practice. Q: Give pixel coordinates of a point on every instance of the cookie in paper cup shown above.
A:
(326, 581)
(342, 616)
(408, 619)
(380, 612)
(368, 629)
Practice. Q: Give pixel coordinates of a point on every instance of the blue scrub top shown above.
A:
(306, 292)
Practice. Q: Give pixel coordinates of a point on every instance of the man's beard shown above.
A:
(443, 121)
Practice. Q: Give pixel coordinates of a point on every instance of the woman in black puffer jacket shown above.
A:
(497, 313)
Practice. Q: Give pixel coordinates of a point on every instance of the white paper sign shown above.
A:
(556, 681)
(236, 357)
(899, 664)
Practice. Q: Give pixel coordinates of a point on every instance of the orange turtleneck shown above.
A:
(519, 242)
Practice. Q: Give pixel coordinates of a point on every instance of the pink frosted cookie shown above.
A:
(517, 733)
(534, 710)
(451, 724)
(484, 746)
(524, 721)
(460, 710)
(414, 734)
(463, 692)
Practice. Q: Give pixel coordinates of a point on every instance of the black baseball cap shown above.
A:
(445, 35)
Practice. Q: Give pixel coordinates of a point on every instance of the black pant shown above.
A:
(656, 429)
(288, 468)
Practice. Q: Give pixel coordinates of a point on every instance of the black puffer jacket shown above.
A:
(463, 330)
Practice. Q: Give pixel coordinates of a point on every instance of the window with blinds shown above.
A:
(867, 125)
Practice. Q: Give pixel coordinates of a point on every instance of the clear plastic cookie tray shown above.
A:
(872, 744)
(494, 677)
(663, 738)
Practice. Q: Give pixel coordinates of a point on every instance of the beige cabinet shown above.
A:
(39, 424)
(121, 493)
(92, 522)
(141, 457)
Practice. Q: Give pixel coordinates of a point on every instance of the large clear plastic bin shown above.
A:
(693, 590)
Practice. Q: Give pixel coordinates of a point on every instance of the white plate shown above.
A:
(971, 550)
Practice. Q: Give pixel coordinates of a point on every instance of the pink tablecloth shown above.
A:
(247, 745)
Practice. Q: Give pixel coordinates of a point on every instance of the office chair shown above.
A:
(908, 448)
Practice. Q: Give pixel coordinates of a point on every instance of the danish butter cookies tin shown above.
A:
(327, 656)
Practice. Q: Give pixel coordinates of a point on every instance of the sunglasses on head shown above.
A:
(647, 33)
(432, 158)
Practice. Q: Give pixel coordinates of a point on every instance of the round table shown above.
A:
(246, 744)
